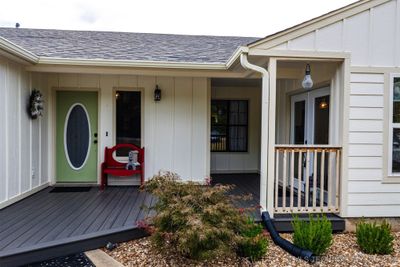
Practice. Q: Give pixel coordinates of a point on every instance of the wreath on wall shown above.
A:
(35, 104)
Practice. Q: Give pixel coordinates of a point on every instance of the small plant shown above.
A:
(196, 221)
(315, 235)
(253, 244)
(373, 238)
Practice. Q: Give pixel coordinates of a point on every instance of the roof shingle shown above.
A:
(125, 45)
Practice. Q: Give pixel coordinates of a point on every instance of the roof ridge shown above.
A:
(128, 32)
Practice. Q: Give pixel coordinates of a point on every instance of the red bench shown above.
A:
(113, 167)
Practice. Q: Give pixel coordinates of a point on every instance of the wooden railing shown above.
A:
(307, 178)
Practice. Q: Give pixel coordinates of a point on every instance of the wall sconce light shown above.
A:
(307, 81)
(323, 104)
(157, 94)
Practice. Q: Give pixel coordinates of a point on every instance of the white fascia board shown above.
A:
(18, 51)
(235, 56)
(131, 63)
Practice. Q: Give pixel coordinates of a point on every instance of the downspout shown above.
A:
(265, 215)
(294, 250)
(264, 126)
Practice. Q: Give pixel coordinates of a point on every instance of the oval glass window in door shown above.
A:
(77, 136)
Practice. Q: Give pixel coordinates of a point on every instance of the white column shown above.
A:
(271, 115)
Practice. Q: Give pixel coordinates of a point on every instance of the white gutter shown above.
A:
(236, 55)
(264, 127)
(131, 63)
(17, 51)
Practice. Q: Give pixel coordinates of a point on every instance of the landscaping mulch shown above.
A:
(343, 252)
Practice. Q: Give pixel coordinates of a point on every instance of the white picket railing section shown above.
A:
(307, 178)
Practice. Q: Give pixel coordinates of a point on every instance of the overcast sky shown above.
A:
(256, 18)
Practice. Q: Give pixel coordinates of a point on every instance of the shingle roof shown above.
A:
(125, 45)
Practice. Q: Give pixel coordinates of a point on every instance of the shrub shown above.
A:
(253, 244)
(315, 235)
(373, 238)
(198, 222)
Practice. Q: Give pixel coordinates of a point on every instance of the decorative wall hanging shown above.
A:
(35, 109)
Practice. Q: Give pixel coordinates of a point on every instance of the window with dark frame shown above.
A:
(229, 125)
(128, 119)
(395, 125)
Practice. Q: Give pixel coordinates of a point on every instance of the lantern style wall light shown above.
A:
(157, 94)
(307, 81)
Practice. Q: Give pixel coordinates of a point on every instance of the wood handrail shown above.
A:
(305, 148)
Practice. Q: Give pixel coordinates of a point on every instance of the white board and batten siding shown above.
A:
(372, 38)
(241, 162)
(23, 142)
(175, 131)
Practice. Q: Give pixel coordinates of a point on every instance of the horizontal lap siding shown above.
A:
(367, 195)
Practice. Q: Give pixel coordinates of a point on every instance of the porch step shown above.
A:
(283, 222)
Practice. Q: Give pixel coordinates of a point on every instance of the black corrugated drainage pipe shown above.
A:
(283, 243)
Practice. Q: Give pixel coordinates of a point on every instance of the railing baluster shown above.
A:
(307, 191)
(276, 178)
(284, 180)
(291, 179)
(329, 180)
(299, 178)
(315, 180)
(337, 179)
(326, 164)
(322, 182)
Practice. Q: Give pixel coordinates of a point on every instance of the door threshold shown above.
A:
(73, 184)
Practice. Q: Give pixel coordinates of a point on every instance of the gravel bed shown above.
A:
(76, 260)
(343, 252)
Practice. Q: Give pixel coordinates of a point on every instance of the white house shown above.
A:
(336, 144)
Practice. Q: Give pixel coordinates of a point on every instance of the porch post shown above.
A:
(270, 176)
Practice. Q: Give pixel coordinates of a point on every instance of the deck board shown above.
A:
(245, 184)
(45, 221)
(127, 209)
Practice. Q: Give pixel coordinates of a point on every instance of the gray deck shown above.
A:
(250, 184)
(245, 184)
(51, 220)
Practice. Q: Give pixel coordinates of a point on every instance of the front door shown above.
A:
(76, 137)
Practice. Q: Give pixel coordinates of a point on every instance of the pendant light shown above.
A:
(307, 81)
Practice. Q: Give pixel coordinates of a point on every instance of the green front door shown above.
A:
(76, 137)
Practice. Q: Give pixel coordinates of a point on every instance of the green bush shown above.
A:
(315, 235)
(373, 238)
(253, 244)
(196, 221)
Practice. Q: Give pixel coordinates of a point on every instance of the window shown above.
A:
(229, 125)
(128, 119)
(394, 125)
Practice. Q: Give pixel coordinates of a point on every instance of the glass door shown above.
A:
(310, 119)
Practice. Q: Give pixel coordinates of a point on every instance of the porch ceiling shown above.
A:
(321, 71)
